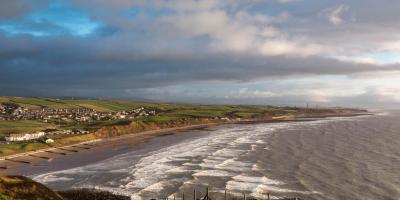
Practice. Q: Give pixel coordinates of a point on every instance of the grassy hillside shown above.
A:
(119, 105)
(166, 111)
(22, 188)
(90, 194)
(99, 105)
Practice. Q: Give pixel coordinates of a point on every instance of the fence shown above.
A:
(226, 196)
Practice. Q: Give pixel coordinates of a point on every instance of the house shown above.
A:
(24, 137)
(2, 109)
(60, 132)
(48, 141)
(80, 131)
(225, 118)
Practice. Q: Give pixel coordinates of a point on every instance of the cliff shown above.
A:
(140, 126)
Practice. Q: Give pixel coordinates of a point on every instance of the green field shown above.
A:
(165, 112)
(7, 127)
(119, 105)
(99, 105)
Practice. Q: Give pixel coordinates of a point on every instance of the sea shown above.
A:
(339, 158)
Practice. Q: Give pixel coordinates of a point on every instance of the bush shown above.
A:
(90, 194)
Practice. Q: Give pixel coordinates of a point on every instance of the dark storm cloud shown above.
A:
(66, 63)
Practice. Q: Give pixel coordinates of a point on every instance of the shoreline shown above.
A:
(158, 132)
(94, 146)
(10, 165)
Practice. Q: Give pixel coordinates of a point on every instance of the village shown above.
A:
(14, 112)
(10, 111)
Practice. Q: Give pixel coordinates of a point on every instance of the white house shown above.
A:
(48, 141)
(24, 137)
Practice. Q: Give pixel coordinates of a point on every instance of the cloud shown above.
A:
(12, 8)
(68, 62)
(241, 32)
(335, 15)
(16, 8)
(143, 47)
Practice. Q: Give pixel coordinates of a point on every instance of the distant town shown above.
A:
(9, 111)
(14, 112)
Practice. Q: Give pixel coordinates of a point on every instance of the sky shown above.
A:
(281, 52)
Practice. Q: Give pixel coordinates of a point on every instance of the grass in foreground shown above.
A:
(90, 194)
(22, 188)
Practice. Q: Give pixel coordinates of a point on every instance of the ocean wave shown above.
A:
(49, 178)
(214, 173)
(219, 155)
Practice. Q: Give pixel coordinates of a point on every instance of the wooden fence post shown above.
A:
(194, 194)
(225, 195)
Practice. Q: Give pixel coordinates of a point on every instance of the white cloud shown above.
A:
(242, 32)
(286, 1)
(358, 59)
(385, 94)
(335, 16)
(246, 93)
(393, 46)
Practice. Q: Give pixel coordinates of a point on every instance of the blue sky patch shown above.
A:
(56, 19)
